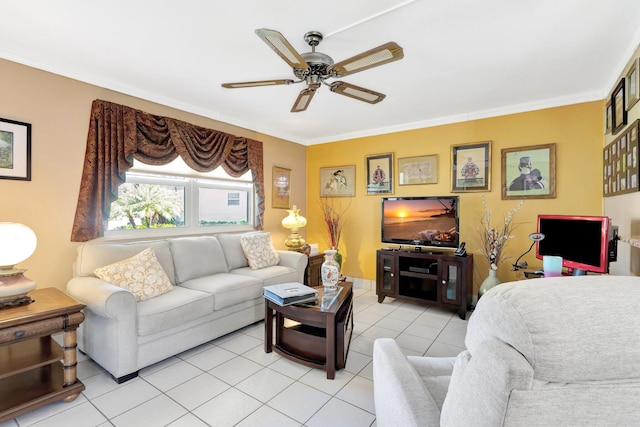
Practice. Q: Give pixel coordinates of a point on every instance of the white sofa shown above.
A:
(215, 292)
(543, 352)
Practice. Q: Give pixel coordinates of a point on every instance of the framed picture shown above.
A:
(338, 181)
(471, 167)
(621, 166)
(618, 110)
(633, 84)
(529, 172)
(607, 117)
(379, 173)
(418, 170)
(281, 189)
(15, 150)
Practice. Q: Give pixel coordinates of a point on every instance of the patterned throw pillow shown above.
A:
(259, 250)
(142, 275)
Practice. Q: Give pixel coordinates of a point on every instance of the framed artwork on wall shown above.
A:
(471, 167)
(632, 84)
(15, 150)
(338, 181)
(281, 188)
(618, 110)
(620, 163)
(379, 169)
(607, 118)
(418, 170)
(529, 172)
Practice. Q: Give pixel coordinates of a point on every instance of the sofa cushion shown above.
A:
(259, 250)
(233, 249)
(142, 275)
(270, 275)
(195, 257)
(175, 308)
(94, 255)
(227, 289)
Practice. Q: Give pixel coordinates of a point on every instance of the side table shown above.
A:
(312, 275)
(311, 335)
(31, 374)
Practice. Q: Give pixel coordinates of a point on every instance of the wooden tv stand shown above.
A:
(440, 279)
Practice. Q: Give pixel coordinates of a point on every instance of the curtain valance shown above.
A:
(118, 134)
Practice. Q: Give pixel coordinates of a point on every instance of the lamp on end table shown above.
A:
(294, 221)
(17, 243)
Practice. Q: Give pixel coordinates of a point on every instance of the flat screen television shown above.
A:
(581, 241)
(421, 221)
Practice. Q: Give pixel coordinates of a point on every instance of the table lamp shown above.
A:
(294, 221)
(17, 243)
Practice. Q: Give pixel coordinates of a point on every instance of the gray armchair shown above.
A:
(545, 352)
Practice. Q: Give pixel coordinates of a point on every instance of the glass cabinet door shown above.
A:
(386, 274)
(450, 281)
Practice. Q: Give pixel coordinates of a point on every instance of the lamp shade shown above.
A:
(294, 219)
(17, 243)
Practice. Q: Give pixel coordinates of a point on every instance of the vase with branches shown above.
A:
(333, 216)
(494, 239)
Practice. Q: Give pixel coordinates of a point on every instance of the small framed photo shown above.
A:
(471, 167)
(281, 189)
(618, 110)
(607, 118)
(15, 150)
(633, 84)
(379, 173)
(338, 181)
(418, 170)
(529, 172)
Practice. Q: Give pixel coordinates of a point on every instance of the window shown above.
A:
(163, 201)
(233, 199)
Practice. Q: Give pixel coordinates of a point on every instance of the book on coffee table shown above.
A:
(290, 293)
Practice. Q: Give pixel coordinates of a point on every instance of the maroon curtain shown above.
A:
(118, 134)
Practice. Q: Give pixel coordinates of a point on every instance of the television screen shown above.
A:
(581, 241)
(421, 221)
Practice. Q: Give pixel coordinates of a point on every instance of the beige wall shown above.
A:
(58, 110)
(624, 209)
(576, 129)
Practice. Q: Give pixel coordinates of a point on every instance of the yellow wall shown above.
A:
(58, 110)
(576, 129)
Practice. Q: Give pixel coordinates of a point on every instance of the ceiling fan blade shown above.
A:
(380, 55)
(303, 100)
(357, 92)
(281, 46)
(257, 83)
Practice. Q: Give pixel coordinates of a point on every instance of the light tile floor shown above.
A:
(231, 381)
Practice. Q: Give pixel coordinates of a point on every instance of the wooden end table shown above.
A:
(310, 335)
(31, 374)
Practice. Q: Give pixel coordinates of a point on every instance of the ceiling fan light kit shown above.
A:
(313, 68)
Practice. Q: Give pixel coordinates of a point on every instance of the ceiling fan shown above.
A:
(313, 68)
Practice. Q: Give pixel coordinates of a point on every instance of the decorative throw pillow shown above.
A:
(142, 275)
(259, 250)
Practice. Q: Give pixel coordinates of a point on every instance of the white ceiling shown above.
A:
(464, 59)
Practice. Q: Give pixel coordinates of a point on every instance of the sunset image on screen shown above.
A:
(420, 219)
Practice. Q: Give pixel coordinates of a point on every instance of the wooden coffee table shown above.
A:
(311, 335)
(31, 374)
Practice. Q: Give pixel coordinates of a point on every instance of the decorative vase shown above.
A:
(338, 258)
(488, 283)
(330, 271)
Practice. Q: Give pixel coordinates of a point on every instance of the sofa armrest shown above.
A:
(482, 383)
(295, 260)
(401, 398)
(103, 298)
